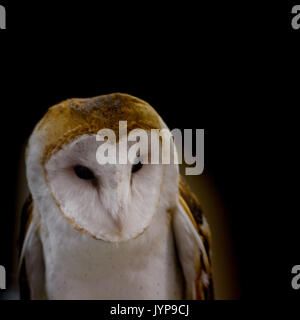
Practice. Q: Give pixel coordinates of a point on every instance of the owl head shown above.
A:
(111, 202)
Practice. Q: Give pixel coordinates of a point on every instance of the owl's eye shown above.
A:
(136, 167)
(84, 173)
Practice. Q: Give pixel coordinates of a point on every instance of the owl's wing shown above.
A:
(31, 260)
(193, 241)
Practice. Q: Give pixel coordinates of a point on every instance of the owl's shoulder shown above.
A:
(191, 200)
(26, 218)
(193, 210)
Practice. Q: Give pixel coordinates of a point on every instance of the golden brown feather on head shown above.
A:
(71, 118)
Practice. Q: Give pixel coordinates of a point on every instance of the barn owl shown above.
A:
(113, 231)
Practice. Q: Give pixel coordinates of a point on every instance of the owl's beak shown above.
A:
(115, 198)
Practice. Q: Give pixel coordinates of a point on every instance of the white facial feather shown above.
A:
(119, 206)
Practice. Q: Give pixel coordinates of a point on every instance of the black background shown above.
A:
(230, 69)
